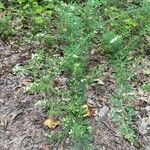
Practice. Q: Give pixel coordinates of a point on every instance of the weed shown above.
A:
(5, 28)
(146, 86)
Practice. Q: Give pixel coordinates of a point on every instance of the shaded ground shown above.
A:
(104, 132)
(21, 124)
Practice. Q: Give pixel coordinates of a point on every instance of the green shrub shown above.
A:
(71, 28)
(5, 28)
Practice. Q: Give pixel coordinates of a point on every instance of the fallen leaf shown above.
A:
(144, 125)
(51, 122)
(100, 82)
(45, 148)
(26, 82)
(4, 122)
(88, 110)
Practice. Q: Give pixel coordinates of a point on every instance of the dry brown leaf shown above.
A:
(51, 123)
(88, 110)
(3, 14)
(26, 82)
(45, 148)
(4, 122)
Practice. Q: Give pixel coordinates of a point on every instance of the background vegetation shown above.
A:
(67, 31)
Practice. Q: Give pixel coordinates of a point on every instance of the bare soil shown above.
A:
(20, 122)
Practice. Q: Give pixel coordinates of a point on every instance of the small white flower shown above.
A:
(75, 56)
(72, 7)
(40, 35)
(35, 56)
(115, 39)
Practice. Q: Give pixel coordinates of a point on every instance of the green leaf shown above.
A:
(1, 6)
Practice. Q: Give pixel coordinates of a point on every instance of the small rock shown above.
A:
(144, 127)
(1, 100)
(102, 114)
(147, 147)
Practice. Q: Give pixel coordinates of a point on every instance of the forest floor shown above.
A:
(21, 123)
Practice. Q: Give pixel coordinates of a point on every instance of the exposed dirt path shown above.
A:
(20, 121)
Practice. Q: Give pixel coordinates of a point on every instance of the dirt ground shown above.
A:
(21, 123)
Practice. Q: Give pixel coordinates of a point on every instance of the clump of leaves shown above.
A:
(146, 86)
(5, 28)
(122, 114)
